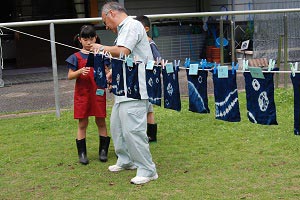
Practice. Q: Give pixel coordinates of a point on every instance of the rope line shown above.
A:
(40, 38)
(104, 54)
(242, 71)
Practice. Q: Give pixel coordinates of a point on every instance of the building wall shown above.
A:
(269, 27)
(187, 43)
(175, 41)
(32, 52)
(146, 7)
(222, 5)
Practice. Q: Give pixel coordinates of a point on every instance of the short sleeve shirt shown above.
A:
(72, 62)
(132, 35)
(154, 49)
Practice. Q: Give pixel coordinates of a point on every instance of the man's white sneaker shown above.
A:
(142, 180)
(116, 168)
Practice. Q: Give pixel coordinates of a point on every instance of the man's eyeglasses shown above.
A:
(106, 14)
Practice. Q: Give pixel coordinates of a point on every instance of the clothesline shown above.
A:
(41, 38)
(120, 58)
(242, 71)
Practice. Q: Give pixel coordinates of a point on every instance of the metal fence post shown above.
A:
(278, 60)
(285, 49)
(221, 41)
(1, 61)
(1, 80)
(54, 69)
(232, 41)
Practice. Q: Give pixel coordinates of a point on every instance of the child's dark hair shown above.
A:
(144, 20)
(86, 31)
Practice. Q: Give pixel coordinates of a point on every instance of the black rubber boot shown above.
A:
(152, 132)
(81, 147)
(103, 148)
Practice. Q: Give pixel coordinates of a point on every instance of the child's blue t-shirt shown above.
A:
(73, 62)
(154, 50)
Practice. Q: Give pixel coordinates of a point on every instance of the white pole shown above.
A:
(156, 16)
(1, 60)
(1, 80)
(54, 69)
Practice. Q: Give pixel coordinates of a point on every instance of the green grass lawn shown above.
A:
(197, 157)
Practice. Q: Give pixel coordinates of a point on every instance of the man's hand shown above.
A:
(113, 50)
(96, 47)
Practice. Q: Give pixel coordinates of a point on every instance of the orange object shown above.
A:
(216, 55)
(209, 53)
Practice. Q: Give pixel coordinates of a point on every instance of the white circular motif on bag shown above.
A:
(200, 79)
(150, 82)
(170, 89)
(255, 84)
(263, 101)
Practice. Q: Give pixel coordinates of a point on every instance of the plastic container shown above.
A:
(216, 55)
(218, 42)
(208, 53)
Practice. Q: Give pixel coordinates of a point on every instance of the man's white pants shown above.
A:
(128, 129)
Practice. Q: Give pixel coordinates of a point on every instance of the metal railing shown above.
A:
(158, 16)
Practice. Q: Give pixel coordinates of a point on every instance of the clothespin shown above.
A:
(125, 58)
(158, 60)
(294, 68)
(245, 64)
(121, 55)
(176, 64)
(102, 54)
(163, 63)
(110, 56)
(187, 62)
(129, 61)
(106, 53)
(96, 51)
(215, 68)
(203, 63)
(271, 65)
(234, 67)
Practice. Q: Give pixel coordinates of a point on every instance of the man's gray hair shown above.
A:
(113, 6)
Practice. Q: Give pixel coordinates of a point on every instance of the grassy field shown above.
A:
(197, 157)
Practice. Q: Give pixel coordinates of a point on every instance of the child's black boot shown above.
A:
(103, 148)
(152, 132)
(81, 147)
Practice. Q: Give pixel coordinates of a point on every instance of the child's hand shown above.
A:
(109, 81)
(85, 70)
(109, 77)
